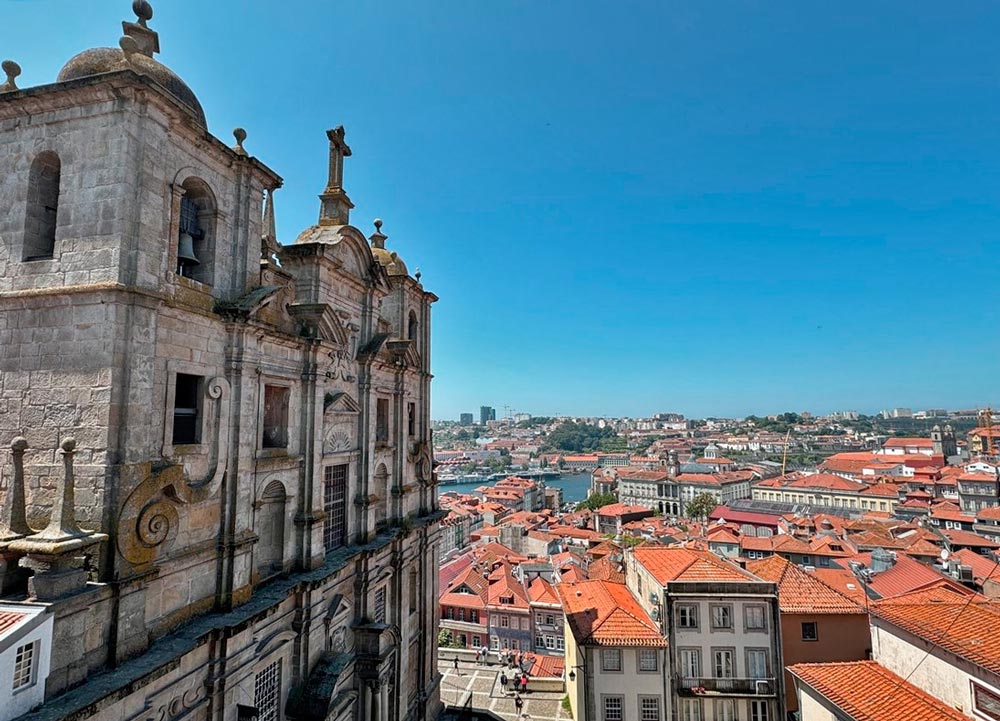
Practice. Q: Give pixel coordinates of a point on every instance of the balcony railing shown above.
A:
(726, 686)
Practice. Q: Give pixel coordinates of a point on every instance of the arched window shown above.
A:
(43, 207)
(412, 327)
(196, 232)
(381, 491)
(271, 530)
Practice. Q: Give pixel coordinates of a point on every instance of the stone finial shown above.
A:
(14, 521)
(335, 208)
(62, 523)
(11, 70)
(143, 10)
(416, 274)
(240, 134)
(128, 45)
(147, 40)
(378, 238)
(269, 233)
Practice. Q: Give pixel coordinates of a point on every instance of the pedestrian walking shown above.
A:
(518, 703)
(503, 682)
(456, 665)
(524, 683)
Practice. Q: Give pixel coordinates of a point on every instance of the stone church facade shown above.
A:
(219, 480)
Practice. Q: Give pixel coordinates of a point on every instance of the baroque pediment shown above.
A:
(322, 321)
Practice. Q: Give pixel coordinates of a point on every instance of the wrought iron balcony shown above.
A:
(725, 686)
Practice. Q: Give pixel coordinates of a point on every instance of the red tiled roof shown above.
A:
(905, 575)
(685, 564)
(620, 509)
(911, 442)
(606, 569)
(748, 517)
(606, 614)
(541, 591)
(842, 580)
(982, 567)
(965, 538)
(10, 619)
(799, 591)
(963, 626)
(867, 691)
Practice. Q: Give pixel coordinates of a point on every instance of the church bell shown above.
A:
(185, 250)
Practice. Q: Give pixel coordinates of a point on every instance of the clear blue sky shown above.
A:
(707, 207)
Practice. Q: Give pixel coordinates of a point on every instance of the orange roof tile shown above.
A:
(541, 591)
(686, 564)
(799, 591)
(867, 691)
(606, 614)
(964, 626)
(606, 568)
(9, 619)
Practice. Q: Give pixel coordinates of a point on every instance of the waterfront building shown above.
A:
(721, 624)
(248, 438)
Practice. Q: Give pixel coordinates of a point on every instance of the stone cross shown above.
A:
(336, 206)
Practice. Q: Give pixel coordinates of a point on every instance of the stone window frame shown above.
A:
(768, 670)
(265, 496)
(693, 616)
(36, 174)
(712, 607)
(746, 619)
(656, 660)
(642, 711)
(206, 373)
(605, 668)
(263, 381)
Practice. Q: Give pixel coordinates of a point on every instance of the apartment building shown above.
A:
(616, 657)
(722, 626)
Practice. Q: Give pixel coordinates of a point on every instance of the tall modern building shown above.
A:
(465, 419)
(487, 414)
(218, 499)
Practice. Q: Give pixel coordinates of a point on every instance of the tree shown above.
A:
(444, 638)
(597, 500)
(701, 505)
(577, 437)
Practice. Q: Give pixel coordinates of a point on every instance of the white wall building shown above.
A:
(25, 651)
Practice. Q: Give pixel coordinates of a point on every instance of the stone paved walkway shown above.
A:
(484, 684)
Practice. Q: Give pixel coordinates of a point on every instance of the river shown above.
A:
(574, 486)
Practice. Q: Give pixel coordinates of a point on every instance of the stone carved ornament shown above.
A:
(148, 519)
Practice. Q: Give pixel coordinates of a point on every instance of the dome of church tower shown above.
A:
(138, 46)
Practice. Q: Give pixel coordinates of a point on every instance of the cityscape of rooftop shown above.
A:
(456, 361)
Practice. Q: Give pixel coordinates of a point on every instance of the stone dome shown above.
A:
(97, 61)
(389, 260)
(135, 52)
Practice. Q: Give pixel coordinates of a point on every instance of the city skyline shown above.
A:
(688, 219)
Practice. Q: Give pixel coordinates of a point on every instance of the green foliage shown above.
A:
(566, 707)
(701, 505)
(577, 437)
(616, 444)
(535, 422)
(632, 541)
(444, 638)
(597, 500)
